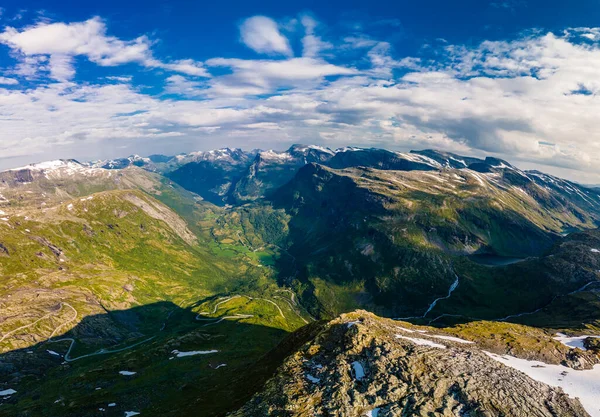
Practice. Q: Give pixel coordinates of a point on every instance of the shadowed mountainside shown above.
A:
(78, 373)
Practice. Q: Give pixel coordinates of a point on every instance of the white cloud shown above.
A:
(261, 34)
(61, 42)
(122, 79)
(82, 38)
(255, 77)
(187, 66)
(8, 81)
(61, 67)
(311, 43)
(177, 84)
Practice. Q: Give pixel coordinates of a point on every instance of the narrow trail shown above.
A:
(292, 296)
(62, 304)
(66, 322)
(166, 320)
(102, 351)
(272, 302)
(291, 307)
(67, 357)
(528, 313)
(227, 299)
(219, 320)
(584, 287)
(294, 302)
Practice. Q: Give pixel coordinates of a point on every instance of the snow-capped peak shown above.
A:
(348, 149)
(272, 155)
(58, 168)
(307, 148)
(48, 165)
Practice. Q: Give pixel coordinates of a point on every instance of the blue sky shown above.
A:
(510, 78)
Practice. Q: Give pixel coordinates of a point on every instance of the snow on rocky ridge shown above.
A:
(59, 168)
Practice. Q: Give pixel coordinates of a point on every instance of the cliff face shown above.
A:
(362, 365)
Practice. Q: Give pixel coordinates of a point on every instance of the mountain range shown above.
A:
(247, 283)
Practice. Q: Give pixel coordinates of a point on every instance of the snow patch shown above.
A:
(452, 339)
(6, 392)
(422, 159)
(373, 413)
(359, 371)
(192, 353)
(404, 329)
(584, 385)
(131, 413)
(573, 341)
(127, 373)
(595, 250)
(421, 342)
(271, 155)
(312, 379)
(53, 352)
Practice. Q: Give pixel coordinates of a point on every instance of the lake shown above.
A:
(494, 260)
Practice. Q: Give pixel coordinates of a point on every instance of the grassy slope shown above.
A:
(113, 257)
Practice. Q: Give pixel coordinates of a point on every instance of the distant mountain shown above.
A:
(382, 159)
(63, 171)
(211, 174)
(155, 163)
(270, 170)
(375, 235)
(594, 186)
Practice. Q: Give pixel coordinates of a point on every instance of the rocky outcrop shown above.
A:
(361, 365)
(159, 211)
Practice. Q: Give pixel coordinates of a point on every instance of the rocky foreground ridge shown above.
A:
(362, 365)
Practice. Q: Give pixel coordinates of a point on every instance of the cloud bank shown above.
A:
(533, 99)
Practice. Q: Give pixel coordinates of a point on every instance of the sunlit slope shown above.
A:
(115, 279)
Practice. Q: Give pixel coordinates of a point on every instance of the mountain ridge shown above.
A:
(361, 365)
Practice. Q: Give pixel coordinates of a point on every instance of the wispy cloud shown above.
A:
(8, 81)
(60, 42)
(262, 34)
(511, 5)
(311, 43)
